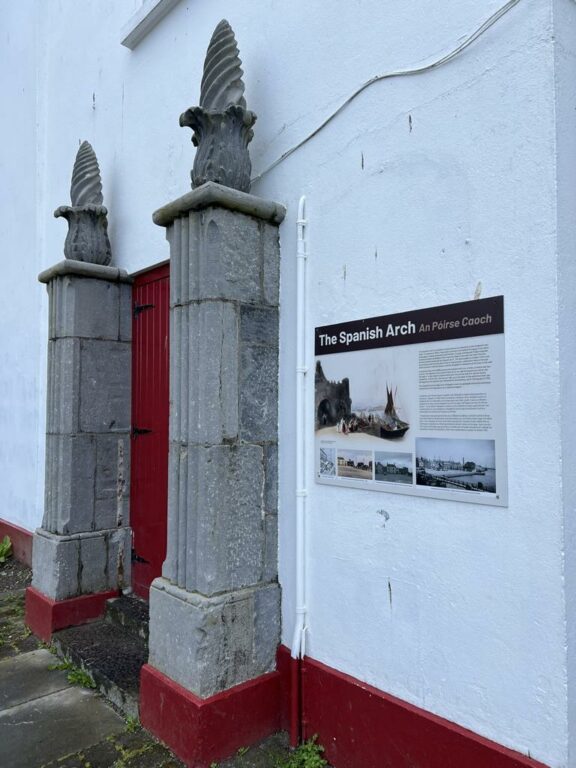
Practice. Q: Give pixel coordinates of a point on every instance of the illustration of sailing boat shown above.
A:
(392, 426)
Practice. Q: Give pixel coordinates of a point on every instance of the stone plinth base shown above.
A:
(213, 643)
(204, 731)
(45, 616)
(82, 563)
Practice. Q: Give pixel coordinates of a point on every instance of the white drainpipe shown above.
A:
(298, 642)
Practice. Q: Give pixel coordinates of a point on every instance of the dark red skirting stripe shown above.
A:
(362, 727)
(45, 616)
(203, 731)
(284, 664)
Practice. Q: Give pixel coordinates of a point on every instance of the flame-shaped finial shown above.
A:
(87, 238)
(86, 187)
(221, 125)
(222, 82)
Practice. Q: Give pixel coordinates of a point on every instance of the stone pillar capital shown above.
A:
(213, 194)
(84, 269)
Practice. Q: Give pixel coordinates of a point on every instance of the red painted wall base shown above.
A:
(203, 731)
(45, 616)
(359, 726)
(362, 727)
(21, 541)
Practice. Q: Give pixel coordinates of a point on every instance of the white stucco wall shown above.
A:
(22, 366)
(565, 79)
(475, 631)
(418, 190)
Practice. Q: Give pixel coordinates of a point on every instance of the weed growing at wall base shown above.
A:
(307, 755)
(5, 549)
(132, 724)
(76, 675)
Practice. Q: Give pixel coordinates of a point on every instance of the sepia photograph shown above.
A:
(355, 465)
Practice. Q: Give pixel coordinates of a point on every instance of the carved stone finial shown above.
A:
(86, 187)
(222, 125)
(222, 83)
(87, 238)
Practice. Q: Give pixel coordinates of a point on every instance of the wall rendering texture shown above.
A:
(22, 358)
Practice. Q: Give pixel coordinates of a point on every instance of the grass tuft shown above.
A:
(307, 755)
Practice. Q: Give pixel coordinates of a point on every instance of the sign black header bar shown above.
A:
(480, 317)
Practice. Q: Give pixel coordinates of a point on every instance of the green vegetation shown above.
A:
(81, 677)
(132, 724)
(48, 647)
(12, 629)
(63, 666)
(5, 549)
(15, 605)
(127, 755)
(307, 755)
(76, 675)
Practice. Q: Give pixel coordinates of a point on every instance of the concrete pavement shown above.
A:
(46, 722)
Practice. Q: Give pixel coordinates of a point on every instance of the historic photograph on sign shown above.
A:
(468, 465)
(393, 467)
(356, 465)
(415, 403)
(328, 461)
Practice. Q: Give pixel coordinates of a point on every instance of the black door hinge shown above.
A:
(138, 308)
(137, 559)
(140, 431)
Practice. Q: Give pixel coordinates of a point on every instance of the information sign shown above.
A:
(414, 403)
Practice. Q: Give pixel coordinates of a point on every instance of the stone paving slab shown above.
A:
(33, 733)
(45, 723)
(127, 750)
(28, 677)
(137, 750)
(271, 753)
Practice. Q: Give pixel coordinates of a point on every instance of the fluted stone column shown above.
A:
(83, 546)
(215, 613)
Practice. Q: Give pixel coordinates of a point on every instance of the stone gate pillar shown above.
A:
(215, 613)
(81, 554)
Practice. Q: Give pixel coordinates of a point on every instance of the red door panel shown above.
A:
(150, 407)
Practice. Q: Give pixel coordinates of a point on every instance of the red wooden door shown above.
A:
(150, 407)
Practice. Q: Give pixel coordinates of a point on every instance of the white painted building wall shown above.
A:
(420, 189)
(22, 357)
(565, 81)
